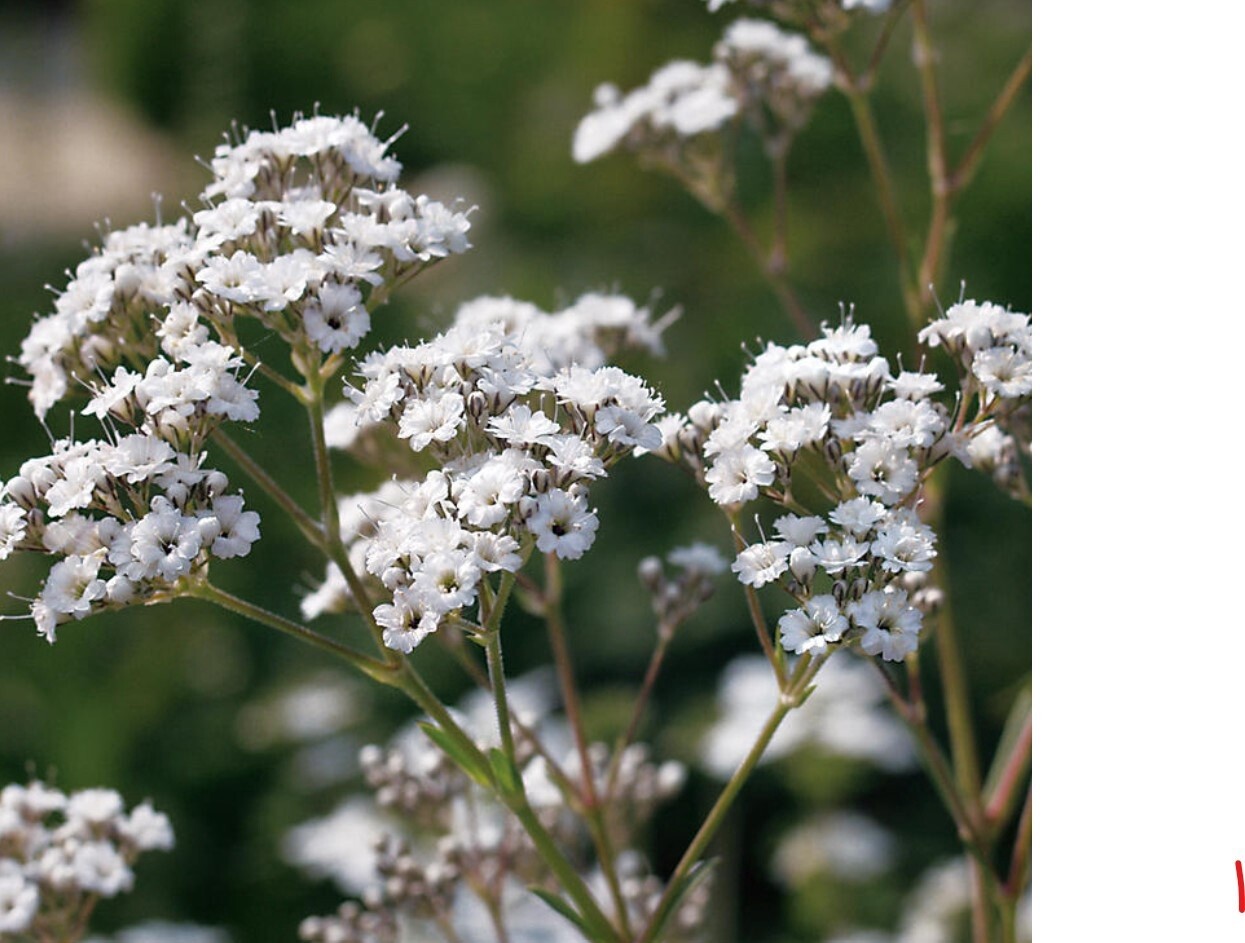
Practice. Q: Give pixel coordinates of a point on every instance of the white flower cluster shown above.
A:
(303, 232)
(776, 69)
(681, 100)
(449, 845)
(514, 438)
(299, 226)
(829, 414)
(60, 853)
(870, 6)
(993, 346)
(757, 67)
(993, 350)
(590, 332)
(128, 519)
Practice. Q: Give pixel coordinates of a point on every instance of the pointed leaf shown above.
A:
(506, 776)
(566, 910)
(456, 752)
(698, 873)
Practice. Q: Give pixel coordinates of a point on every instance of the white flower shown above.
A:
(813, 628)
(336, 320)
(905, 545)
(739, 474)
(882, 470)
(425, 421)
(94, 806)
(698, 558)
(562, 523)
(72, 586)
(147, 829)
(406, 621)
(12, 528)
(858, 516)
(762, 563)
(19, 899)
(1004, 372)
(891, 625)
(233, 529)
(99, 868)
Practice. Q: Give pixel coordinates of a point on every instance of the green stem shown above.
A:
(1018, 876)
(717, 815)
(365, 663)
(935, 150)
(967, 167)
(497, 677)
(884, 184)
(589, 799)
(959, 712)
(555, 623)
(331, 518)
(306, 523)
(567, 876)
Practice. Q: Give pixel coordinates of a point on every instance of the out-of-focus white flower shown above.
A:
(844, 716)
(340, 846)
(846, 845)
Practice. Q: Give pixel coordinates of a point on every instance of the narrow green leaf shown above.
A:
(505, 775)
(699, 872)
(456, 752)
(566, 910)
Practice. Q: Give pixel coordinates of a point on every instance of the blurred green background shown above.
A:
(103, 102)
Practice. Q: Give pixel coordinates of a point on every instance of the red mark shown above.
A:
(1240, 888)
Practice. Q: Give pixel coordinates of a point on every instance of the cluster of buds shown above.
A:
(674, 600)
(59, 854)
(355, 922)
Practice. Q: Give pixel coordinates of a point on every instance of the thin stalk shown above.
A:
(935, 151)
(979, 912)
(716, 816)
(777, 280)
(884, 184)
(1007, 920)
(999, 804)
(567, 876)
(664, 635)
(936, 765)
(306, 523)
(365, 663)
(896, 13)
(331, 519)
(555, 623)
(971, 160)
(588, 796)
(1021, 852)
(959, 712)
(405, 678)
(755, 612)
